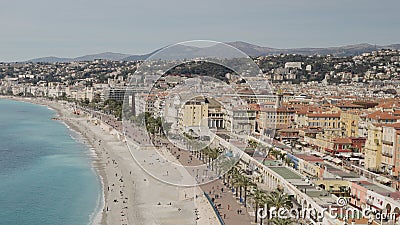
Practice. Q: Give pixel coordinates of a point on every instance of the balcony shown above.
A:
(387, 154)
(387, 143)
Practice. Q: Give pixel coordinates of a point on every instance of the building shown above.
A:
(349, 121)
(195, 114)
(389, 149)
(115, 93)
(373, 148)
(271, 119)
(324, 120)
(244, 118)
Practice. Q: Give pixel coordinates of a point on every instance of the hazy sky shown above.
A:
(30, 29)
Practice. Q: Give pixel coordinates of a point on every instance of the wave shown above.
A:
(96, 216)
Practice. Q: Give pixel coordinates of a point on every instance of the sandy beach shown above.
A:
(131, 196)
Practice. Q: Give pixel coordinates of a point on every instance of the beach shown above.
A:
(131, 196)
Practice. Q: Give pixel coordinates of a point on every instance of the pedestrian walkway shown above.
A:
(230, 209)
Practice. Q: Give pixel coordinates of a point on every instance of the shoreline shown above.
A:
(98, 216)
(124, 183)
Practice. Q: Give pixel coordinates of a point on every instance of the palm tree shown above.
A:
(205, 153)
(270, 151)
(243, 183)
(236, 183)
(282, 156)
(287, 161)
(232, 173)
(235, 179)
(279, 199)
(213, 154)
(260, 199)
(240, 181)
(225, 164)
(281, 221)
(252, 143)
(275, 153)
(247, 183)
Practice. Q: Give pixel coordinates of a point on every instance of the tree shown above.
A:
(281, 221)
(278, 199)
(232, 176)
(269, 152)
(246, 184)
(288, 161)
(213, 154)
(252, 143)
(260, 199)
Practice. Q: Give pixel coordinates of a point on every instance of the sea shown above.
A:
(46, 172)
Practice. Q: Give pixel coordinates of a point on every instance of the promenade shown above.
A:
(231, 211)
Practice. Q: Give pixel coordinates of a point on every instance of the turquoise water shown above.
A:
(45, 174)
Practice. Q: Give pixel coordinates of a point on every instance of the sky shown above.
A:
(31, 29)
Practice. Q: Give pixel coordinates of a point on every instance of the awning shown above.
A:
(383, 179)
(307, 149)
(354, 159)
(320, 154)
(336, 160)
(345, 155)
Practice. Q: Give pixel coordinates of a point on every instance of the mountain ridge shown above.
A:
(247, 48)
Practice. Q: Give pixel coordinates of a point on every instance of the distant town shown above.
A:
(327, 128)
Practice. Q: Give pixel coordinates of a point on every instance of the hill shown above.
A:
(180, 51)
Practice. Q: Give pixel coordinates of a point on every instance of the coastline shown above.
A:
(98, 216)
(130, 196)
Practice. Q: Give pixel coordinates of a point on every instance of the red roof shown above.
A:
(309, 158)
(342, 141)
(378, 115)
